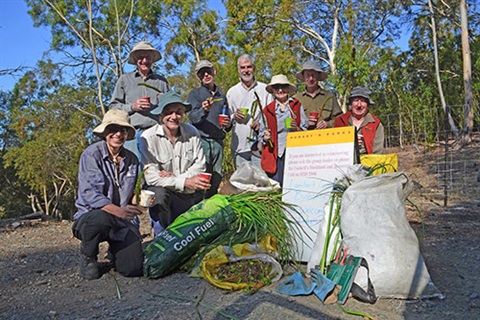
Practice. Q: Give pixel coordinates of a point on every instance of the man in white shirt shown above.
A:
(173, 157)
(242, 96)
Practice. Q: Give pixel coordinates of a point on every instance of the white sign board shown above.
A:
(313, 160)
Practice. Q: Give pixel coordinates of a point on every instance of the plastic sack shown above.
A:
(374, 226)
(183, 238)
(383, 163)
(221, 255)
(252, 178)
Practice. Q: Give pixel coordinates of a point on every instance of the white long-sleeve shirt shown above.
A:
(184, 157)
(240, 97)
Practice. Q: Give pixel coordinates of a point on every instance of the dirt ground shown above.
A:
(39, 279)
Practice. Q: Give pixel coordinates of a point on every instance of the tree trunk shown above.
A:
(467, 78)
(453, 127)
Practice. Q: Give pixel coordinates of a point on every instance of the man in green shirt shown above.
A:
(315, 99)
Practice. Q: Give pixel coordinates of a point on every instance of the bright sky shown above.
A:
(20, 43)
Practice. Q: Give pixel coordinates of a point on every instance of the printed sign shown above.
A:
(313, 160)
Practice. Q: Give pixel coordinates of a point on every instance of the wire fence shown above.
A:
(452, 172)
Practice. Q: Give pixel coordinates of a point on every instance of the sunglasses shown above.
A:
(179, 111)
(280, 86)
(201, 72)
(116, 128)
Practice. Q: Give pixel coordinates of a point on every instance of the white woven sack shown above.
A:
(374, 226)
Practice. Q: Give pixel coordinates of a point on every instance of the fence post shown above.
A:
(447, 130)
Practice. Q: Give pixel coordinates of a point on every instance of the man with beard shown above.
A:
(173, 157)
(137, 99)
(320, 105)
(241, 98)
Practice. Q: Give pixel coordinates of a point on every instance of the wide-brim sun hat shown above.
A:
(203, 64)
(280, 79)
(144, 46)
(361, 92)
(311, 65)
(169, 98)
(115, 117)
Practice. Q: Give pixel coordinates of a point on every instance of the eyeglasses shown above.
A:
(280, 86)
(116, 128)
(358, 100)
(144, 56)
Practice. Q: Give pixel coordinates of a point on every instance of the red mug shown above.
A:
(314, 115)
(146, 98)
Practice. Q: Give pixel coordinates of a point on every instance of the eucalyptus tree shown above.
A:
(436, 56)
(49, 135)
(261, 28)
(13, 194)
(352, 38)
(97, 35)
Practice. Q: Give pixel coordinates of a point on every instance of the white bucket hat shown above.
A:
(311, 65)
(280, 79)
(115, 117)
(143, 45)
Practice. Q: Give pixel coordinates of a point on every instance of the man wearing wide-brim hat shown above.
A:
(106, 183)
(315, 99)
(370, 132)
(173, 157)
(138, 99)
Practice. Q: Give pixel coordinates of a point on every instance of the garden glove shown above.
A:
(322, 285)
(294, 286)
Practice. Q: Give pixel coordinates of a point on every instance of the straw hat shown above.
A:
(361, 92)
(169, 98)
(146, 46)
(311, 65)
(280, 79)
(116, 117)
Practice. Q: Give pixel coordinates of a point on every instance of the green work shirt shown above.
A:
(324, 102)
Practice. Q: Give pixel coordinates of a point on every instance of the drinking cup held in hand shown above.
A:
(221, 118)
(206, 176)
(245, 112)
(288, 123)
(146, 198)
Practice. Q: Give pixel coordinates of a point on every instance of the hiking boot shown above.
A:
(89, 268)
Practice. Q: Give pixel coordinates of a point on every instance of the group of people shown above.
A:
(144, 131)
